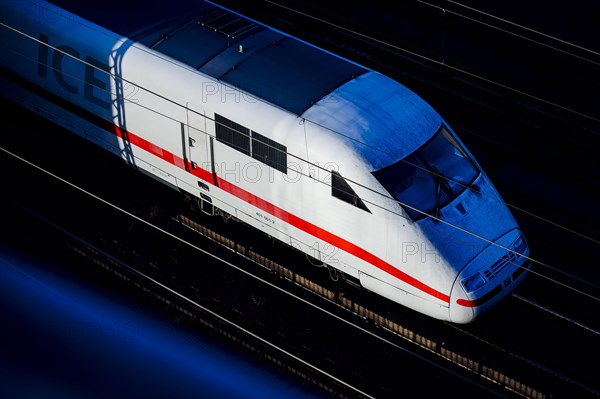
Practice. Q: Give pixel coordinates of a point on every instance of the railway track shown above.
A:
(424, 334)
(557, 314)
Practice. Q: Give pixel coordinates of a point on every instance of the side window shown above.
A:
(270, 152)
(232, 134)
(251, 143)
(342, 190)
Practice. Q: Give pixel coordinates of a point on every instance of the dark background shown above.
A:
(523, 97)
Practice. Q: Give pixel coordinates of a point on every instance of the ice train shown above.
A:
(330, 157)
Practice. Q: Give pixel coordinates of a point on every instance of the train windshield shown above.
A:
(431, 177)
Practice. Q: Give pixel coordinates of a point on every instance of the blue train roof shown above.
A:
(342, 96)
(263, 62)
(383, 120)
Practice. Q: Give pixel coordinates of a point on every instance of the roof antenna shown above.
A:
(241, 49)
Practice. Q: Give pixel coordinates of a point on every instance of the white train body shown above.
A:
(311, 169)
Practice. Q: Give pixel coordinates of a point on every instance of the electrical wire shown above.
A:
(429, 59)
(318, 166)
(446, 10)
(524, 28)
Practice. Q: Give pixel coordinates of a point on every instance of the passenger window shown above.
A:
(232, 134)
(269, 152)
(251, 143)
(342, 190)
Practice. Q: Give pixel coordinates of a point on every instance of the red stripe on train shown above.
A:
(281, 214)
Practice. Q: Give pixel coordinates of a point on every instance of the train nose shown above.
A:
(459, 313)
(489, 277)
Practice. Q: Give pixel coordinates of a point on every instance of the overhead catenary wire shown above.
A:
(318, 166)
(445, 10)
(537, 32)
(435, 61)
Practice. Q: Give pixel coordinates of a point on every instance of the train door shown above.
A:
(198, 153)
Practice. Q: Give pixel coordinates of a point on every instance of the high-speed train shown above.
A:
(330, 157)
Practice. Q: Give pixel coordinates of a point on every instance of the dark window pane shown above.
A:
(262, 149)
(269, 152)
(430, 178)
(232, 134)
(342, 190)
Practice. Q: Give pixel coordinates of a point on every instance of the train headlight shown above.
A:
(474, 282)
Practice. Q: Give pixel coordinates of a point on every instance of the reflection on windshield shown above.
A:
(431, 177)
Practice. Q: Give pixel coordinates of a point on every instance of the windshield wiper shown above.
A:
(438, 191)
(441, 183)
